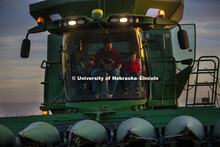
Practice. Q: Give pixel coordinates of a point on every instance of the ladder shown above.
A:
(214, 72)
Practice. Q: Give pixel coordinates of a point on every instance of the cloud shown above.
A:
(10, 47)
(20, 78)
(21, 91)
(205, 15)
(15, 22)
(198, 11)
(22, 70)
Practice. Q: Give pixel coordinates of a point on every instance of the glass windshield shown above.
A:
(99, 65)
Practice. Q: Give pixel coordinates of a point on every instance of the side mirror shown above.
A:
(183, 39)
(25, 48)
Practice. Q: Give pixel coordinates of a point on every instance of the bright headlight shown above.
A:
(72, 22)
(123, 19)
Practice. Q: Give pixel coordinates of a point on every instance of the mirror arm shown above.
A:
(27, 35)
(179, 26)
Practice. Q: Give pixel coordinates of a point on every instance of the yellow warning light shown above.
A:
(40, 20)
(161, 13)
(45, 112)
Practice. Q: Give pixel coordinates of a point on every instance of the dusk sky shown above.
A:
(20, 89)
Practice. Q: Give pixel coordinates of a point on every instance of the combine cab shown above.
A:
(150, 116)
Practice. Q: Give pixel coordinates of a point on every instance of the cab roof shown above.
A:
(66, 8)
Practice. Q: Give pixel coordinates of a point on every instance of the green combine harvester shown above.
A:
(73, 116)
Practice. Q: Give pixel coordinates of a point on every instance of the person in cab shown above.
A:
(132, 68)
(107, 60)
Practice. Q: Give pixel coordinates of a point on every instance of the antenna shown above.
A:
(104, 8)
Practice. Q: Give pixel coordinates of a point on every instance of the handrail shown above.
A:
(213, 83)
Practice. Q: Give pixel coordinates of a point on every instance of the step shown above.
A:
(203, 84)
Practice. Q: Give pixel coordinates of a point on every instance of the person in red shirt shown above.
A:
(132, 68)
(107, 59)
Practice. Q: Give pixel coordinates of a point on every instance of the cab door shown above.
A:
(171, 64)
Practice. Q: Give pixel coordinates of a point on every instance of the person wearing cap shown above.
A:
(106, 55)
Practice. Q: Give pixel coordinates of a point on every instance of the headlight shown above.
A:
(123, 19)
(81, 21)
(131, 20)
(114, 20)
(72, 22)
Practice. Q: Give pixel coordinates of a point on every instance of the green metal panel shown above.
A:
(181, 79)
(54, 44)
(206, 115)
(53, 85)
(113, 105)
(53, 88)
(162, 65)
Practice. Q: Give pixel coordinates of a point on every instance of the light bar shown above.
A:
(72, 22)
(125, 19)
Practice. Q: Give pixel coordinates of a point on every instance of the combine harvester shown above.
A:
(152, 117)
